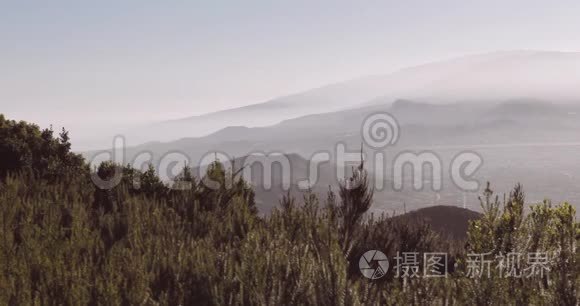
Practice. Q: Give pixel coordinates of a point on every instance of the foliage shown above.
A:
(24, 147)
(65, 242)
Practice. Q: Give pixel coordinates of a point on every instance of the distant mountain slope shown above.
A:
(489, 77)
(531, 141)
(421, 124)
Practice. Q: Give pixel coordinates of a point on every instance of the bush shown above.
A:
(65, 242)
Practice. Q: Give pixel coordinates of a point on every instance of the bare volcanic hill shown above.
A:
(448, 221)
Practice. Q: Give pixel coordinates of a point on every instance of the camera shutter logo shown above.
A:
(373, 264)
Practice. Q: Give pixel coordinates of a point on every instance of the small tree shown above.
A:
(355, 200)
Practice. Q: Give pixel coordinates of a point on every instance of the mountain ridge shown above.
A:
(482, 77)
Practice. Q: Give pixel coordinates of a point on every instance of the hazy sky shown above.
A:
(87, 62)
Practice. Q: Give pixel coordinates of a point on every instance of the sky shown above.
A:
(92, 64)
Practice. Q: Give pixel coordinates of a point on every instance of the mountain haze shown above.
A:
(527, 140)
(488, 77)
